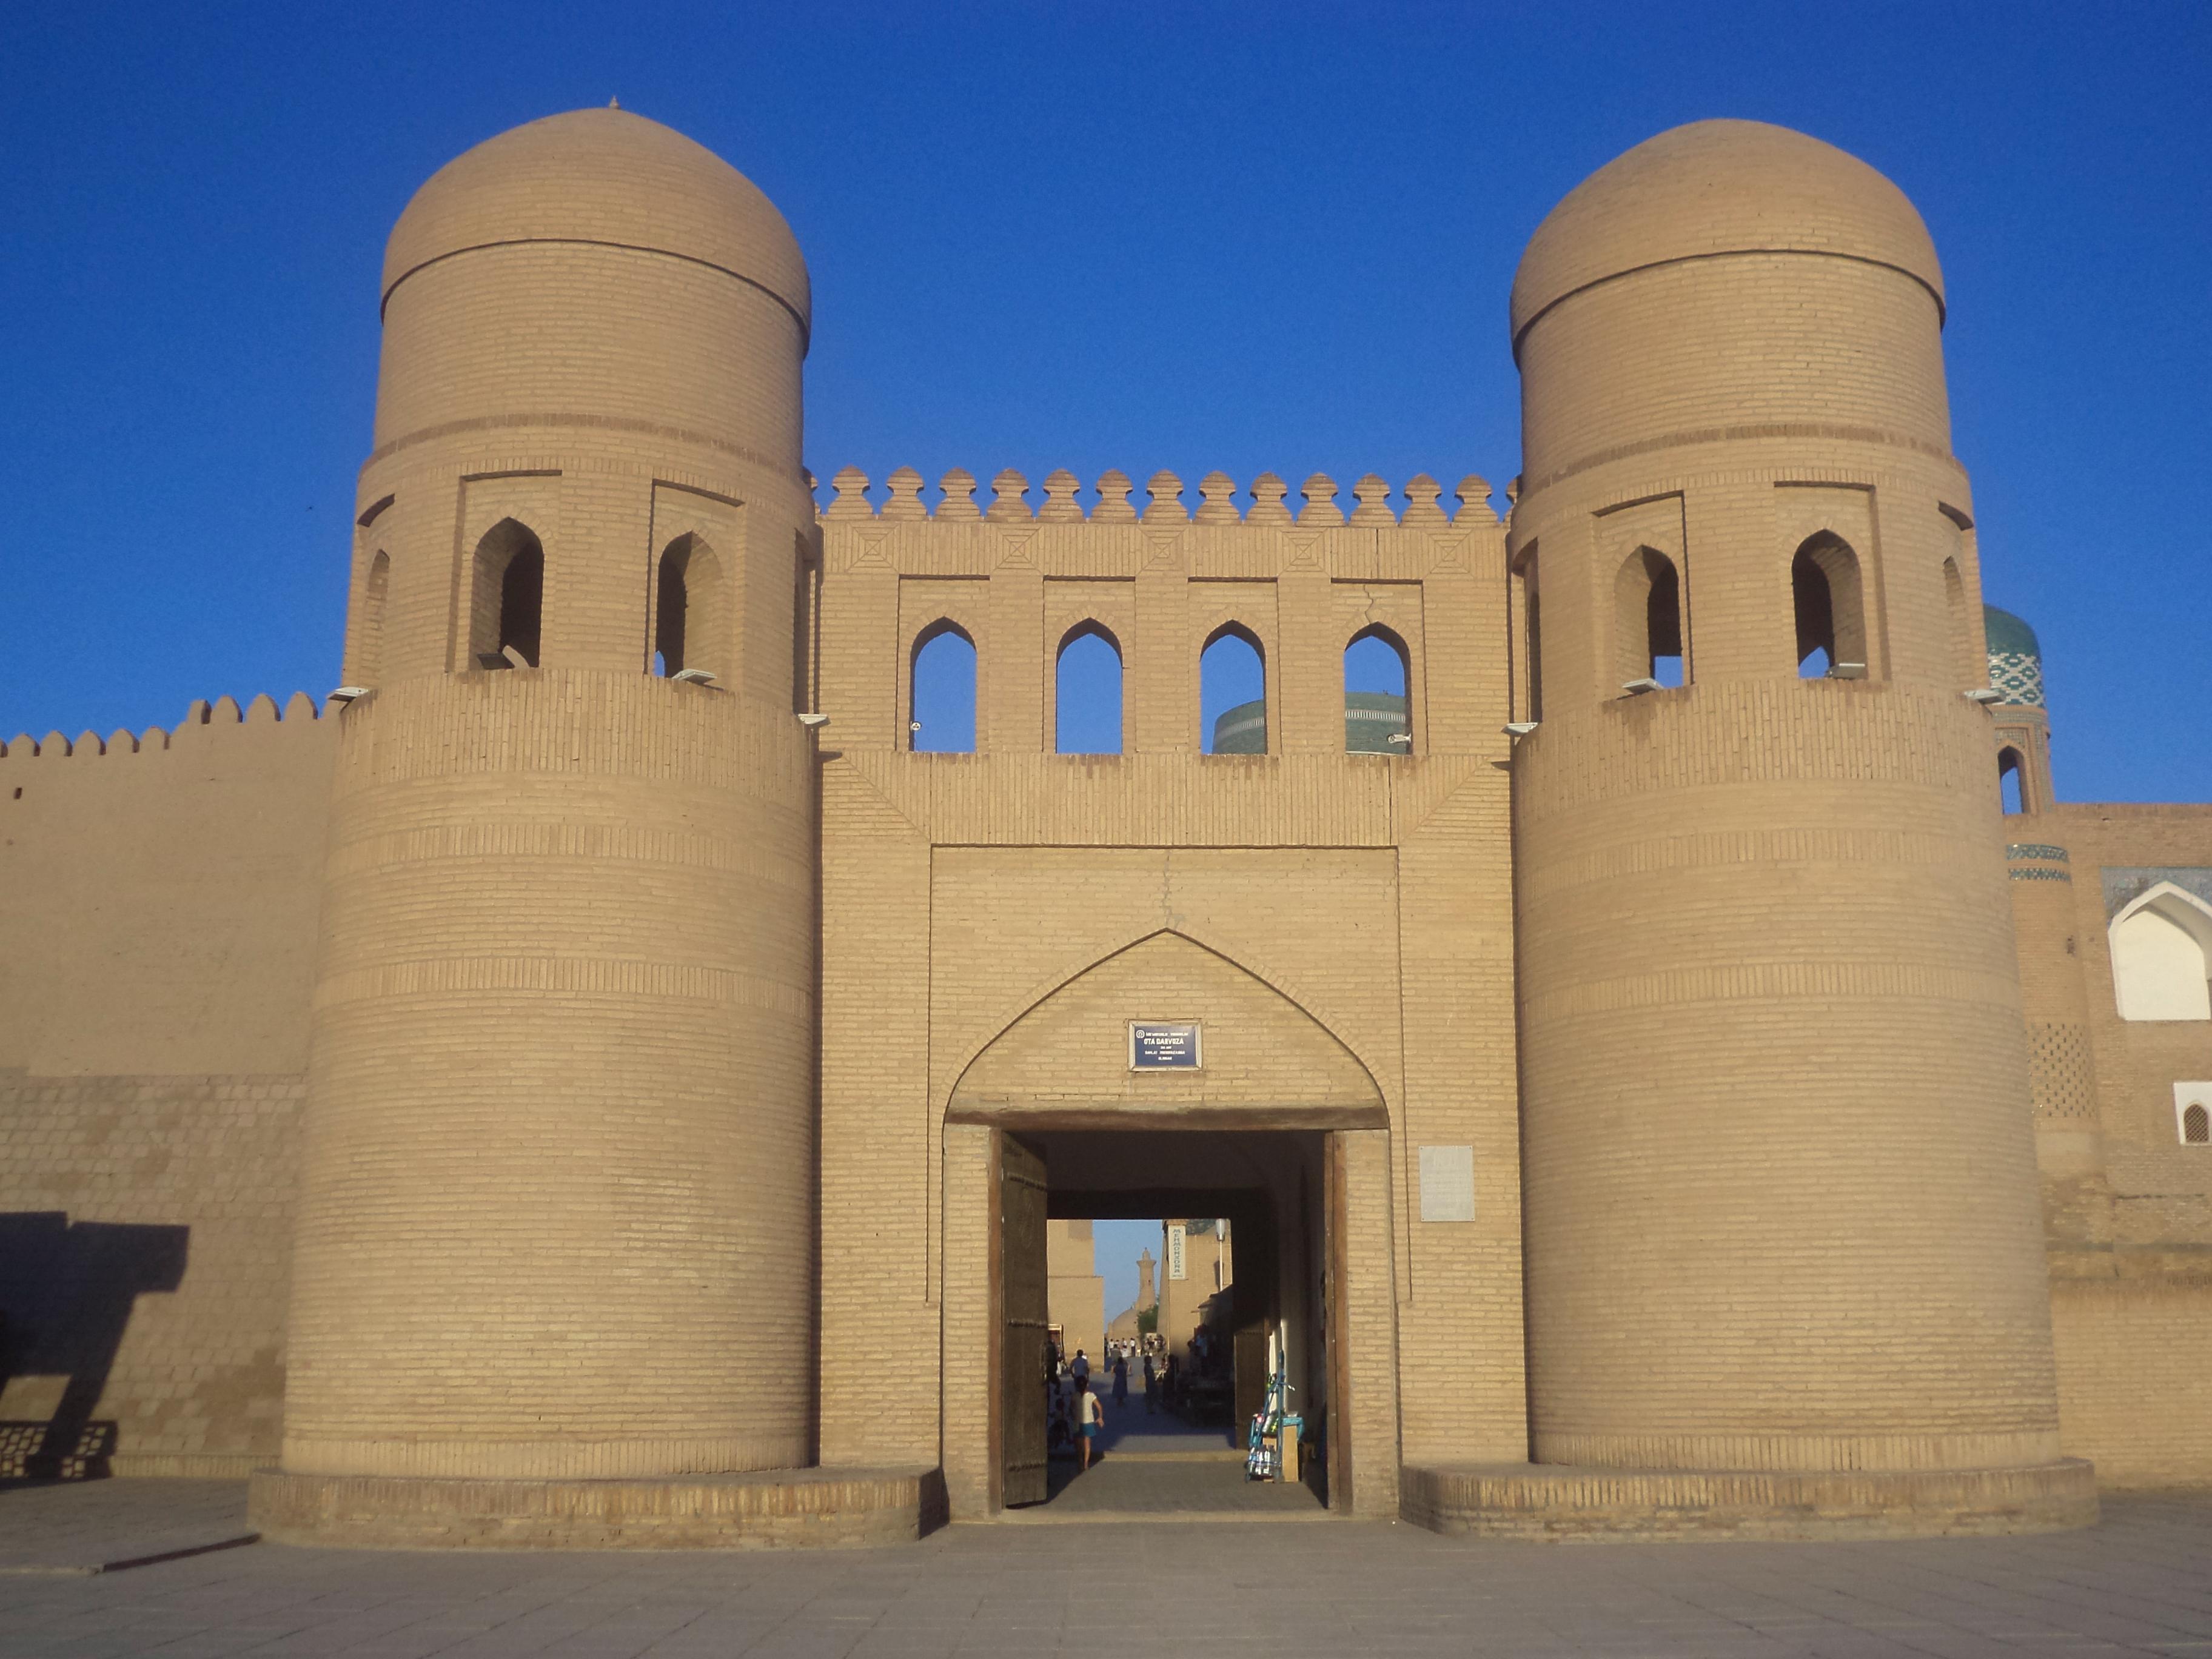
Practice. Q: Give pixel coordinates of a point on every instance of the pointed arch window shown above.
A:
(689, 628)
(368, 637)
(2012, 781)
(1378, 714)
(941, 690)
(1969, 663)
(2161, 945)
(1533, 624)
(1087, 692)
(1826, 596)
(2196, 1125)
(1647, 619)
(1232, 692)
(507, 597)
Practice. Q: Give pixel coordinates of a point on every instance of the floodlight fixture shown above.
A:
(692, 677)
(1637, 687)
(1848, 670)
(1518, 728)
(1985, 694)
(814, 722)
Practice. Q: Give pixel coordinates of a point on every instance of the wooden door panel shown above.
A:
(1023, 1321)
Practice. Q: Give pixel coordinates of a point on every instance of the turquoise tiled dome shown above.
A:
(2015, 658)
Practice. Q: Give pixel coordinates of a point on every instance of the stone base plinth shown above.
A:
(1539, 1500)
(773, 1509)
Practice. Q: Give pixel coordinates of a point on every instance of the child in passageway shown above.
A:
(1090, 1418)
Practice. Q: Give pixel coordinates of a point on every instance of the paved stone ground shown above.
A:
(96, 1526)
(1160, 1465)
(2138, 1584)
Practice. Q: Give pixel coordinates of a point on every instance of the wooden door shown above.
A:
(1023, 1379)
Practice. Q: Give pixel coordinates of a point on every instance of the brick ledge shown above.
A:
(1565, 1502)
(773, 1509)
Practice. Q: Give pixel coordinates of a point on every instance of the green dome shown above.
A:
(2007, 635)
(1372, 719)
(1242, 730)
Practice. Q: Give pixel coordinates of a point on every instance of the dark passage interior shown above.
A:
(1273, 1316)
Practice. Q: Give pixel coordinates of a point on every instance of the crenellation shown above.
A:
(905, 499)
(956, 499)
(1267, 494)
(1061, 505)
(1165, 505)
(1113, 506)
(1373, 499)
(1321, 509)
(1009, 498)
(1216, 503)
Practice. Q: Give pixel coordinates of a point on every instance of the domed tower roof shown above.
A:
(2015, 658)
(605, 176)
(1720, 187)
(2010, 634)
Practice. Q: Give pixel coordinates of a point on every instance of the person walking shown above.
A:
(1081, 1369)
(1090, 1418)
(1151, 1388)
(1121, 1380)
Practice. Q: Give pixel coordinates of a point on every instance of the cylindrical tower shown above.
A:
(556, 1216)
(1781, 1196)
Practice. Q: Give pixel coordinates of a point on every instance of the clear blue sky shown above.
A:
(1133, 236)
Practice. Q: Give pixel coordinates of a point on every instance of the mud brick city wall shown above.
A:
(159, 917)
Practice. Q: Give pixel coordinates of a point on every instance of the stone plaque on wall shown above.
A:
(1447, 1183)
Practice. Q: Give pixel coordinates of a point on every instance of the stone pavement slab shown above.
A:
(1137, 1486)
(2137, 1584)
(80, 1527)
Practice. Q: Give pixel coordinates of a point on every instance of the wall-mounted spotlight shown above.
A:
(692, 677)
(1984, 694)
(1637, 687)
(1405, 737)
(1848, 670)
(347, 694)
(814, 722)
(1518, 728)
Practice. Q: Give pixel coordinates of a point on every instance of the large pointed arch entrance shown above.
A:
(1256, 1114)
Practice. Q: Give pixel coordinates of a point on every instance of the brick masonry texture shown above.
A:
(570, 1088)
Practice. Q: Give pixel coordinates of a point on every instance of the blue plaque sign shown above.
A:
(1159, 1047)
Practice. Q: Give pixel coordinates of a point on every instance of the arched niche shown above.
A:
(1828, 600)
(691, 609)
(2161, 947)
(1267, 1061)
(941, 690)
(368, 632)
(2012, 781)
(1087, 692)
(507, 597)
(1647, 594)
(1232, 692)
(1378, 706)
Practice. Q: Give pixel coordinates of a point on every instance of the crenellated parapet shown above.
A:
(1264, 501)
(222, 714)
(1160, 572)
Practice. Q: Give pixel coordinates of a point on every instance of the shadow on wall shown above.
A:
(66, 1294)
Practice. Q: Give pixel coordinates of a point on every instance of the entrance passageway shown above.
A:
(1244, 1296)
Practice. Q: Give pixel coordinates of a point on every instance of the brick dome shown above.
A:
(1720, 187)
(606, 176)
